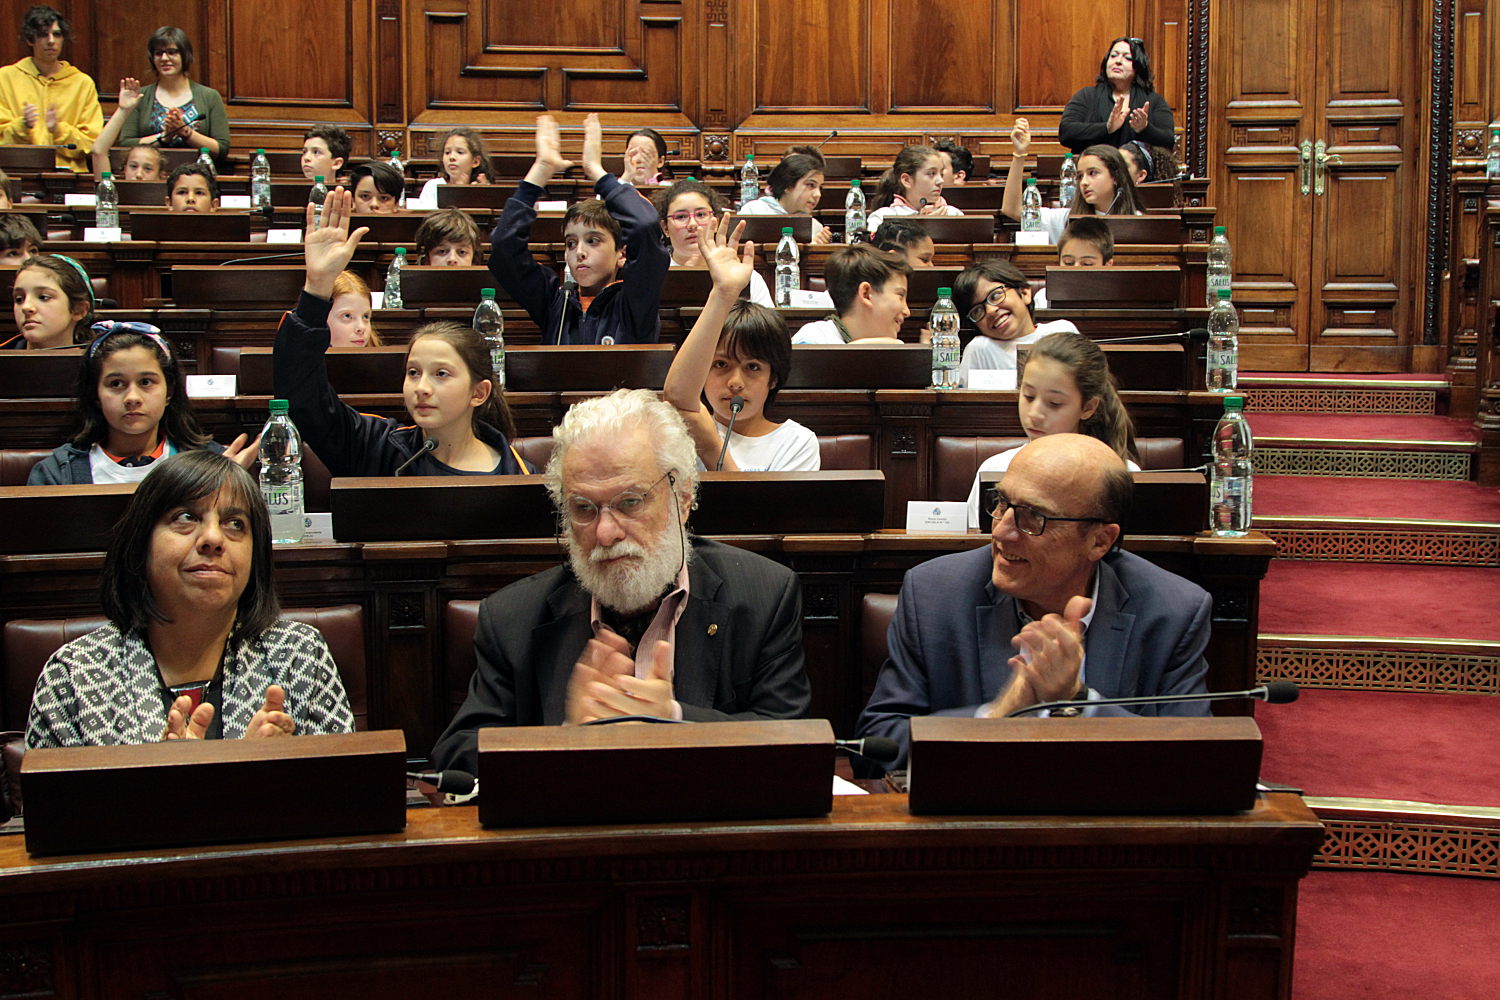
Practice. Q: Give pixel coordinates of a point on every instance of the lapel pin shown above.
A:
(713, 629)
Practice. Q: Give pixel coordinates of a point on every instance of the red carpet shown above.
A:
(1392, 498)
(1438, 748)
(1378, 936)
(1360, 427)
(1382, 599)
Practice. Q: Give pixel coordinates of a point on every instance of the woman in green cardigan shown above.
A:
(174, 111)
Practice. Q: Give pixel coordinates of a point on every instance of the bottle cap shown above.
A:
(204, 150)
(260, 152)
(1031, 182)
(749, 156)
(401, 251)
(1224, 295)
(1234, 402)
(279, 406)
(106, 175)
(1218, 230)
(786, 230)
(318, 179)
(1068, 157)
(945, 293)
(486, 294)
(854, 182)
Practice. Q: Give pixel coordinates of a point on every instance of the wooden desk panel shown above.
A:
(868, 901)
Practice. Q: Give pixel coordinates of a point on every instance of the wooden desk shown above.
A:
(868, 901)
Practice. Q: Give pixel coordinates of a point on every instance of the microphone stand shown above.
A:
(1275, 693)
(736, 404)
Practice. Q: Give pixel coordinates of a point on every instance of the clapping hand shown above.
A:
(272, 719)
(549, 158)
(1118, 113)
(51, 119)
(593, 148)
(28, 115)
(1140, 118)
(185, 722)
(329, 248)
(174, 124)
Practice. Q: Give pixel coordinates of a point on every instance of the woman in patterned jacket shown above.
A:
(195, 648)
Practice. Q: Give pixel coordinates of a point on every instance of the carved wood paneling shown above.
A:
(1059, 47)
(788, 74)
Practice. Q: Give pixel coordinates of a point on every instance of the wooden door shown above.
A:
(1325, 250)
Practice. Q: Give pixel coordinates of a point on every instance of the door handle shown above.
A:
(1305, 166)
(1322, 160)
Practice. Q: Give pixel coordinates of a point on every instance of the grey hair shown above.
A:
(613, 415)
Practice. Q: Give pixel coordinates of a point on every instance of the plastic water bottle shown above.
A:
(1220, 265)
(1492, 157)
(106, 202)
(491, 326)
(260, 181)
(398, 165)
(207, 162)
(392, 299)
(1223, 345)
(1068, 182)
(317, 196)
(788, 275)
(281, 474)
(1230, 488)
(1031, 208)
(854, 212)
(943, 322)
(749, 181)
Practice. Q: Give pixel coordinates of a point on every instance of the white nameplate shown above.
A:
(551, 206)
(237, 201)
(1036, 238)
(317, 527)
(992, 378)
(107, 234)
(283, 236)
(211, 386)
(941, 516)
(377, 300)
(803, 298)
(83, 200)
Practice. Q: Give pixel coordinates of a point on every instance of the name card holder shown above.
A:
(566, 775)
(123, 798)
(1113, 766)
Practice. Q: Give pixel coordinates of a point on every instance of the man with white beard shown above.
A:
(645, 620)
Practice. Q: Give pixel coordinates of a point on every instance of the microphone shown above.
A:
(1274, 693)
(736, 404)
(257, 260)
(569, 286)
(1181, 336)
(830, 135)
(429, 445)
(880, 749)
(447, 782)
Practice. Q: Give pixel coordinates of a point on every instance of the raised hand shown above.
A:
(329, 248)
(549, 148)
(242, 451)
(130, 93)
(730, 268)
(1020, 137)
(593, 148)
(271, 719)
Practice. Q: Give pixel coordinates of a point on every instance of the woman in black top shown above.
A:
(1120, 106)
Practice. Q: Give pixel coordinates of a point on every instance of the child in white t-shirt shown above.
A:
(912, 186)
(996, 298)
(868, 288)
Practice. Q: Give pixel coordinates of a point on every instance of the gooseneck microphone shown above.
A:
(1273, 693)
(569, 286)
(830, 135)
(736, 404)
(880, 749)
(447, 782)
(429, 445)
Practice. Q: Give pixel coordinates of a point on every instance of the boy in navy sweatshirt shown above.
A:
(612, 246)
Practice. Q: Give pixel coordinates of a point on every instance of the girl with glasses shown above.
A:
(686, 209)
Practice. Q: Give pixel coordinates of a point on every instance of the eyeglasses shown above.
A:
(1029, 520)
(167, 52)
(994, 298)
(700, 216)
(627, 505)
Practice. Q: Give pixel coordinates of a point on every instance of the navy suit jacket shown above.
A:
(950, 642)
(738, 649)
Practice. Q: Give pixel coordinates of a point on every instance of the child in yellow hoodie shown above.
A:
(46, 101)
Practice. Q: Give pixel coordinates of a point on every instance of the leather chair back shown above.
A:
(847, 451)
(875, 614)
(956, 460)
(460, 619)
(16, 463)
(535, 451)
(28, 643)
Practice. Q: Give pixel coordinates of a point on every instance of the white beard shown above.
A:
(635, 583)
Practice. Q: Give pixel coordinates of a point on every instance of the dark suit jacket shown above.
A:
(950, 641)
(738, 649)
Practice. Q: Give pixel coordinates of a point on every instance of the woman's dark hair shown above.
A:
(179, 481)
(475, 355)
(812, 151)
(791, 169)
(898, 234)
(1125, 202)
(169, 37)
(688, 185)
(476, 148)
(755, 332)
(41, 17)
(1141, 155)
(177, 421)
(1138, 58)
(908, 161)
(1001, 272)
(1089, 366)
(387, 179)
(73, 284)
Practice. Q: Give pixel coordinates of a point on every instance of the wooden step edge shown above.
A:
(1367, 444)
(1258, 382)
(1379, 643)
(1415, 838)
(1330, 522)
(1397, 809)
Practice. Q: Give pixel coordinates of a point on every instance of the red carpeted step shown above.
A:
(1384, 936)
(1437, 748)
(1361, 427)
(1352, 377)
(1380, 599)
(1328, 496)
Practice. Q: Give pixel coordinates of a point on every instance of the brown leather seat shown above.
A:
(535, 451)
(460, 619)
(956, 460)
(16, 463)
(875, 614)
(28, 643)
(224, 361)
(847, 451)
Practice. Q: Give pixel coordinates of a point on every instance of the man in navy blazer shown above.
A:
(1049, 611)
(643, 620)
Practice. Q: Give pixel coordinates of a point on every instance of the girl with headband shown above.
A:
(132, 411)
(54, 303)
